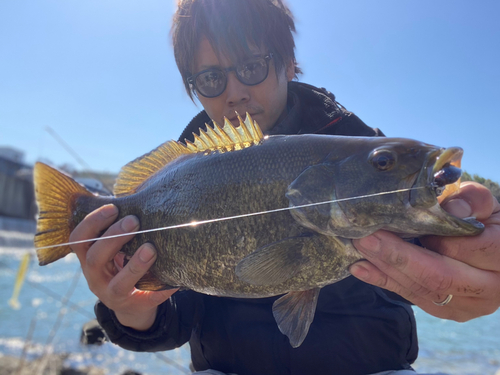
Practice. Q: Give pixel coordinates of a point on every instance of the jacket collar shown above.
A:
(310, 110)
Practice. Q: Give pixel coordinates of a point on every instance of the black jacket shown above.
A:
(358, 329)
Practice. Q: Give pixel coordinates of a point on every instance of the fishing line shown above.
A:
(196, 223)
(75, 155)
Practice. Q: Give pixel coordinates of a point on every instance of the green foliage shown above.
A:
(493, 186)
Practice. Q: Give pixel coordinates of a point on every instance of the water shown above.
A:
(44, 307)
(470, 348)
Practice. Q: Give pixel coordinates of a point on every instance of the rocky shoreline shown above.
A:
(52, 364)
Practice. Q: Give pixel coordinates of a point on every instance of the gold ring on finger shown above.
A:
(445, 302)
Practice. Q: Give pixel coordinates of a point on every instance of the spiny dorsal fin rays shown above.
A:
(227, 138)
(214, 135)
(244, 130)
(221, 133)
(235, 131)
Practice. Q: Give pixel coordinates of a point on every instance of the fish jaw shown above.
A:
(426, 196)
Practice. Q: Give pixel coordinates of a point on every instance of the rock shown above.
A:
(52, 364)
(47, 365)
(92, 333)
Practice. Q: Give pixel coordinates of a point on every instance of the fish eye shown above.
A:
(383, 160)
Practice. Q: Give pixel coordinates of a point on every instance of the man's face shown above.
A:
(265, 102)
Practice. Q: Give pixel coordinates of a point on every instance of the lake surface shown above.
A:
(471, 348)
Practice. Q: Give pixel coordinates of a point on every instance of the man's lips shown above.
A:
(234, 119)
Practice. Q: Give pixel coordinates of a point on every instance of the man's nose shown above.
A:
(236, 92)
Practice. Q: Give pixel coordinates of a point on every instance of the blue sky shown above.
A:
(102, 74)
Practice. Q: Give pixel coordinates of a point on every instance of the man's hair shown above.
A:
(231, 27)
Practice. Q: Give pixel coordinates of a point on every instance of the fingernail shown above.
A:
(370, 244)
(359, 271)
(129, 223)
(458, 208)
(109, 210)
(147, 253)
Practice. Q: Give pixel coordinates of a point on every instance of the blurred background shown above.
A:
(89, 86)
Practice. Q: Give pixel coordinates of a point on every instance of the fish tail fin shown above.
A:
(55, 194)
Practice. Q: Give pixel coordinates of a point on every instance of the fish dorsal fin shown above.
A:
(133, 174)
(227, 138)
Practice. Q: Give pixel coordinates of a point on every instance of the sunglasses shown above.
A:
(212, 82)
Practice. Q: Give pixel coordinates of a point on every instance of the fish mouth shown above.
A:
(439, 177)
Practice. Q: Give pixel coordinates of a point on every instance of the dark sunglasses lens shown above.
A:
(252, 72)
(210, 83)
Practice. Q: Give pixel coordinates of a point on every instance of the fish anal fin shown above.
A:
(152, 283)
(55, 195)
(149, 281)
(273, 264)
(133, 174)
(294, 313)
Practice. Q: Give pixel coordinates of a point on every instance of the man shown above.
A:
(238, 56)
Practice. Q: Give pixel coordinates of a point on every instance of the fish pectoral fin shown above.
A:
(151, 283)
(273, 264)
(294, 313)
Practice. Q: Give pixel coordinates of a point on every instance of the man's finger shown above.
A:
(405, 287)
(473, 199)
(93, 224)
(481, 251)
(457, 309)
(422, 271)
(98, 266)
(103, 251)
(123, 283)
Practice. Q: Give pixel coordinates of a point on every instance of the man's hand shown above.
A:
(103, 268)
(466, 267)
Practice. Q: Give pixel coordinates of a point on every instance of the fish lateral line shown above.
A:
(201, 222)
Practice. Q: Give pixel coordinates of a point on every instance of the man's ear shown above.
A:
(290, 71)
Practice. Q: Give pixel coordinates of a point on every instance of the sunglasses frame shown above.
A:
(192, 79)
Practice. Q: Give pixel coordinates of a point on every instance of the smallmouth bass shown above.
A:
(233, 171)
